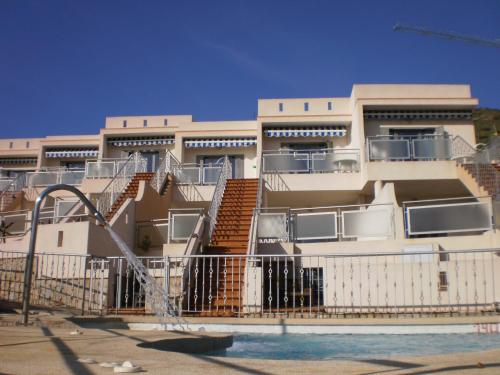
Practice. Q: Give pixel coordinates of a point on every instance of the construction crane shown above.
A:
(495, 43)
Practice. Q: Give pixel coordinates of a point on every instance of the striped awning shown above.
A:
(72, 153)
(141, 141)
(19, 160)
(324, 131)
(465, 114)
(220, 142)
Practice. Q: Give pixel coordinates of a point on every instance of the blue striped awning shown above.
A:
(141, 141)
(72, 153)
(324, 131)
(220, 142)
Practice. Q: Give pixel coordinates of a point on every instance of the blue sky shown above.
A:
(66, 64)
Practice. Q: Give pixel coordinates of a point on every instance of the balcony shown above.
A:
(103, 168)
(325, 224)
(444, 217)
(311, 161)
(46, 177)
(176, 228)
(410, 148)
(197, 174)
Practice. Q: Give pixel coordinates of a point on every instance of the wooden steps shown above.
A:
(130, 192)
(230, 237)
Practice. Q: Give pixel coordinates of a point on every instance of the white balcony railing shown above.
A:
(46, 177)
(335, 223)
(404, 148)
(176, 228)
(103, 168)
(448, 216)
(310, 161)
(195, 174)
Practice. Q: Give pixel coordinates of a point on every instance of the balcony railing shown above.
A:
(336, 223)
(448, 216)
(393, 148)
(310, 161)
(176, 228)
(46, 177)
(103, 168)
(195, 174)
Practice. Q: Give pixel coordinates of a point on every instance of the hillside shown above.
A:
(487, 123)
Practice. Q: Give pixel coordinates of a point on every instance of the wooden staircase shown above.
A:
(129, 192)
(230, 237)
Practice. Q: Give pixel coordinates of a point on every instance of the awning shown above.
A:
(141, 141)
(220, 142)
(72, 153)
(418, 114)
(20, 160)
(324, 131)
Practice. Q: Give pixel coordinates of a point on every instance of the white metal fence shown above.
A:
(422, 283)
(77, 282)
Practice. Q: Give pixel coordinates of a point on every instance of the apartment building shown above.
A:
(375, 202)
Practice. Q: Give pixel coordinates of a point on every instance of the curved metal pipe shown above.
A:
(28, 271)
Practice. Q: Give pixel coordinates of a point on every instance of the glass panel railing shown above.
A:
(432, 148)
(293, 162)
(370, 222)
(72, 177)
(313, 161)
(448, 216)
(273, 226)
(316, 226)
(389, 149)
(101, 169)
(319, 224)
(188, 175)
(211, 175)
(183, 225)
(42, 178)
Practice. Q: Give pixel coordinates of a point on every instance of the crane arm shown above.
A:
(447, 35)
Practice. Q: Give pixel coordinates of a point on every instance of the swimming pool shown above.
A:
(324, 347)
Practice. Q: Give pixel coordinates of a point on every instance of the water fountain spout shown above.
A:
(158, 297)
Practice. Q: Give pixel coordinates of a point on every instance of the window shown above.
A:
(11, 144)
(330, 106)
(124, 123)
(443, 281)
(306, 106)
(280, 107)
(27, 145)
(145, 123)
(60, 237)
(165, 122)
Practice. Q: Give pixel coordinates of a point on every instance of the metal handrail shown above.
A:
(218, 193)
(164, 169)
(120, 181)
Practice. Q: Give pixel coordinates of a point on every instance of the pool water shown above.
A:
(323, 347)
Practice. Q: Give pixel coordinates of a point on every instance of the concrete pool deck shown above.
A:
(46, 350)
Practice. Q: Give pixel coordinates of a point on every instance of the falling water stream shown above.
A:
(155, 294)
